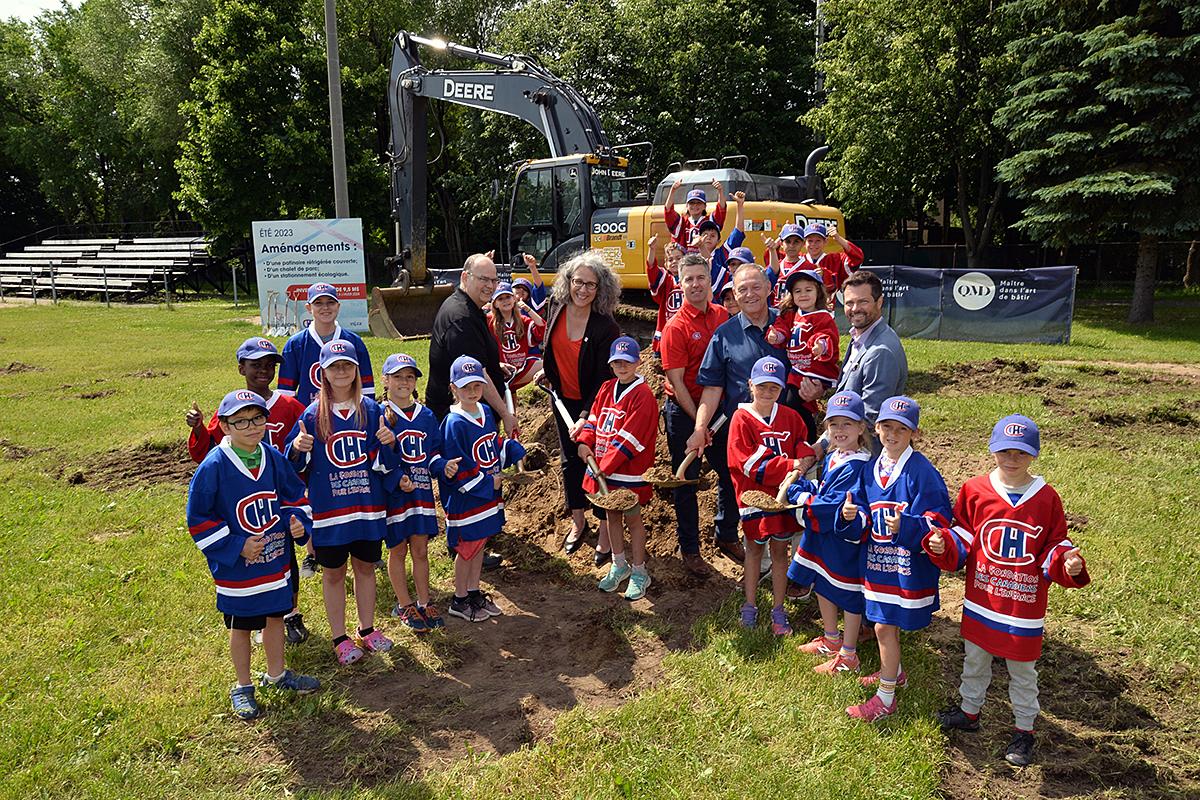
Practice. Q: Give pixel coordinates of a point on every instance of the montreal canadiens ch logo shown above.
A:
(775, 439)
(411, 445)
(258, 513)
(879, 528)
(484, 451)
(264, 344)
(900, 405)
(339, 348)
(1015, 430)
(674, 301)
(244, 396)
(510, 341)
(840, 400)
(347, 449)
(314, 375)
(1010, 542)
(608, 420)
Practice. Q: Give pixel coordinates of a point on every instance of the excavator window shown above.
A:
(568, 201)
(532, 202)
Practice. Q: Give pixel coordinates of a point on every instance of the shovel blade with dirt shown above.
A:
(615, 500)
(663, 478)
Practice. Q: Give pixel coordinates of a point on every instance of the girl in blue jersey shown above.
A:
(411, 516)
(906, 498)
(829, 556)
(337, 443)
(471, 496)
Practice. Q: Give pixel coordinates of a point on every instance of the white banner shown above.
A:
(291, 255)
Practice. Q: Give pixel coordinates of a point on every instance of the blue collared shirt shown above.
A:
(734, 348)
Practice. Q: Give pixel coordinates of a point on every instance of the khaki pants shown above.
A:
(1022, 684)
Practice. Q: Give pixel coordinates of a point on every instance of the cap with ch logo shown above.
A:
(238, 399)
(901, 409)
(846, 404)
(398, 361)
(466, 370)
(624, 348)
(767, 370)
(321, 290)
(338, 350)
(1016, 432)
(257, 347)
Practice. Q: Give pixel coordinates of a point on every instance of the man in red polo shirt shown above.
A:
(684, 340)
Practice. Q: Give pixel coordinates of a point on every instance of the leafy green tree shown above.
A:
(911, 90)
(1105, 122)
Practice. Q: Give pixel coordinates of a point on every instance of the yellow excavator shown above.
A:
(583, 196)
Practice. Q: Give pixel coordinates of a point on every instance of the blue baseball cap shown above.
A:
(528, 284)
(767, 370)
(816, 229)
(466, 370)
(502, 289)
(398, 361)
(742, 254)
(237, 400)
(798, 274)
(846, 404)
(257, 347)
(697, 194)
(1016, 432)
(903, 409)
(338, 350)
(624, 348)
(321, 290)
(790, 230)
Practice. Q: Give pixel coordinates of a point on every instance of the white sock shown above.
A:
(640, 569)
(243, 686)
(291, 614)
(619, 561)
(276, 678)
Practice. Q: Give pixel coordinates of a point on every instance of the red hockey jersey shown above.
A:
(514, 350)
(834, 268)
(282, 410)
(623, 433)
(1012, 551)
(761, 454)
(680, 227)
(664, 288)
(802, 331)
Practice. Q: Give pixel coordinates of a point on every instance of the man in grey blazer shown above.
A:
(875, 365)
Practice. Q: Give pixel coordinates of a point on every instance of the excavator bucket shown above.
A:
(405, 313)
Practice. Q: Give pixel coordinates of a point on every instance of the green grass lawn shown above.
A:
(114, 669)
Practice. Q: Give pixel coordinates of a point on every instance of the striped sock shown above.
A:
(834, 639)
(887, 689)
(847, 651)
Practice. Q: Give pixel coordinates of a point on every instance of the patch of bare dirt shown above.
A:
(97, 394)
(17, 367)
(16, 452)
(1188, 371)
(144, 465)
(147, 373)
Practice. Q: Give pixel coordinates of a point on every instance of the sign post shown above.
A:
(291, 255)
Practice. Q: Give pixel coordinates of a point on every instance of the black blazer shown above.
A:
(592, 368)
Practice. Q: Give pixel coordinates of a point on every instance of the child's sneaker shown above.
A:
(749, 615)
(873, 710)
(461, 607)
(347, 652)
(1020, 749)
(291, 682)
(433, 618)
(243, 702)
(954, 717)
(839, 663)
(779, 623)
(294, 630)
(797, 593)
(409, 617)
(256, 637)
(309, 567)
(612, 580)
(639, 582)
(872, 681)
(489, 606)
(821, 646)
(381, 566)
(376, 642)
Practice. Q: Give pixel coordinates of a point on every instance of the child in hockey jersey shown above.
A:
(906, 499)
(471, 497)
(518, 331)
(829, 556)
(245, 506)
(411, 517)
(532, 290)
(300, 372)
(1011, 534)
(766, 443)
(336, 443)
(257, 359)
(620, 434)
(806, 328)
(663, 282)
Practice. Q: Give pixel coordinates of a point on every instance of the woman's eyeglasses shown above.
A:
(590, 286)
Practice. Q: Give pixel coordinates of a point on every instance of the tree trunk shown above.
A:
(1189, 275)
(1141, 308)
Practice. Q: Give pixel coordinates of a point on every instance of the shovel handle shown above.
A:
(687, 462)
(599, 476)
(508, 399)
(781, 497)
(558, 405)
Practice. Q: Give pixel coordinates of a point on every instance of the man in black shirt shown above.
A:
(461, 329)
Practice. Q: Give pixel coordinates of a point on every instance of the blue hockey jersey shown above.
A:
(829, 555)
(300, 372)
(227, 504)
(419, 449)
(474, 507)
(900, 583)
(345, 476)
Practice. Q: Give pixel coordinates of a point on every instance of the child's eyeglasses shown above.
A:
(245, 422)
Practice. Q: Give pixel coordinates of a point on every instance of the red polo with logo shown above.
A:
(684, 340)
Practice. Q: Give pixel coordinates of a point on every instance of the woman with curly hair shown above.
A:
(579, 332)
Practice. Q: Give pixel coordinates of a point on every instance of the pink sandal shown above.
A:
(376, 642)
(347, 652)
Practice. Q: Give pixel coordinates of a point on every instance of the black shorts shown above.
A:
(335, 556)
(294, 581)
(235, 623)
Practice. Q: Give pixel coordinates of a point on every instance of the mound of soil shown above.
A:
(17, 367)
(144, 465)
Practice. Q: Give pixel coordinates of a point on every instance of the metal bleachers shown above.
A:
(123, 267)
